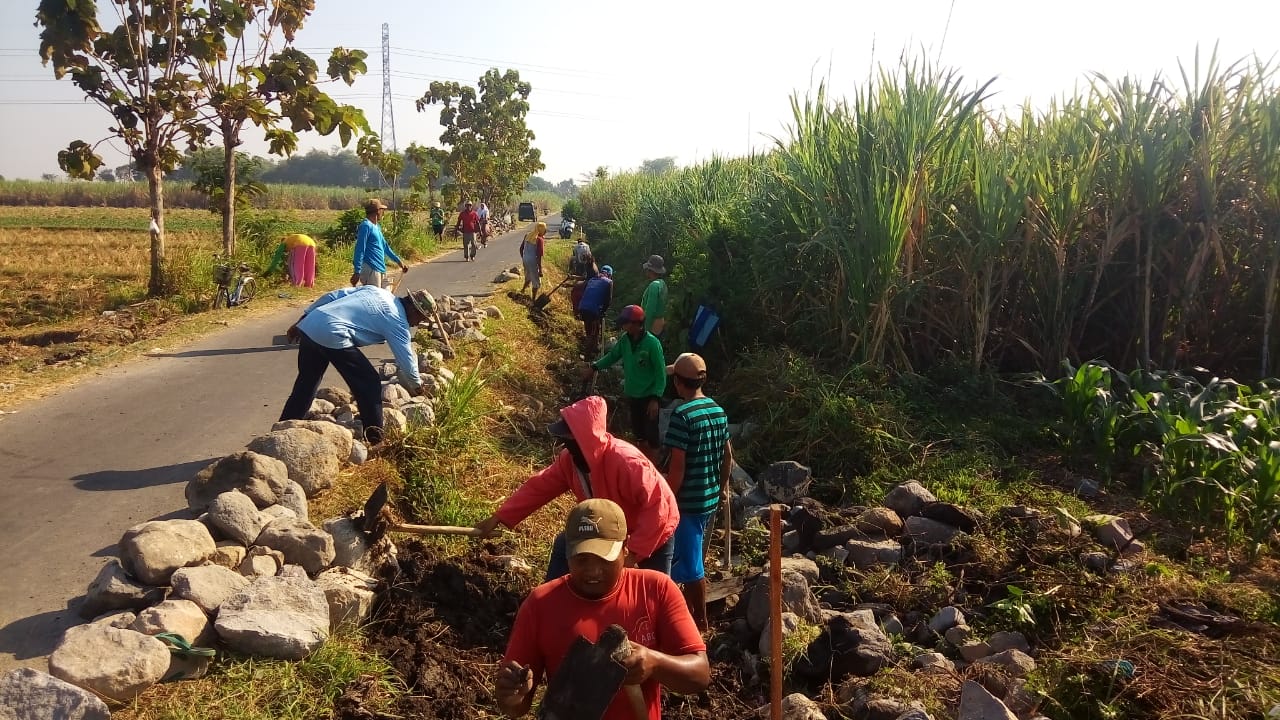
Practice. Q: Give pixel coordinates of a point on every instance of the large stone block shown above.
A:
(152, 550)
(284, 618)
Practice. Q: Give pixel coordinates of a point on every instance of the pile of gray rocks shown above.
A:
(250, 573)
(855, 640)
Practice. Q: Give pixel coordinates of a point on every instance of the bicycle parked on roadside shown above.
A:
(243, 291)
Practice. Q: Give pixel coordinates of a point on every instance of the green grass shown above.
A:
(255, 689)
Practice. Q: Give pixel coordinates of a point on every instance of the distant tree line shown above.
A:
(323, 168)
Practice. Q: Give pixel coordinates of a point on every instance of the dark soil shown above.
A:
(443, 624)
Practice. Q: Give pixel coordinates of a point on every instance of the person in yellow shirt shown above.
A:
(301, 262)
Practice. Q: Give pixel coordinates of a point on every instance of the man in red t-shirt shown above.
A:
(599, 591)
(469, 224)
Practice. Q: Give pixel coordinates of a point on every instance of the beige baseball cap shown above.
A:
(595, 526)
(688, 365)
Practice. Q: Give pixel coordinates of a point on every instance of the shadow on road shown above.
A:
(214, 352)
(135, 479)
(38, 635)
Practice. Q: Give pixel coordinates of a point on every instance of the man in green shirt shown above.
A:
(644, 376)
(701, 459)
(654, 300)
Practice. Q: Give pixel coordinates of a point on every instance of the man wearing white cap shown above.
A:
(599, 591)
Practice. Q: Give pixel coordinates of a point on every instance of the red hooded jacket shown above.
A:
(619, 472)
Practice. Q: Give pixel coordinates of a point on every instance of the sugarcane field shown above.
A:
(869, 362)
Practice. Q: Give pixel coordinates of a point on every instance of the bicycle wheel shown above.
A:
(221, 298)
(247, 290)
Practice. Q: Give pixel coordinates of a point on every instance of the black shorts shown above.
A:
(642, 425)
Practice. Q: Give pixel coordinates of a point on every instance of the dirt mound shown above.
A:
(443, 623)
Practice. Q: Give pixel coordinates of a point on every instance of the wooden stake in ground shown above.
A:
(444, 332)
(775, 612)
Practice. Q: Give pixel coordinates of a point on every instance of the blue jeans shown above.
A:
(660, 560)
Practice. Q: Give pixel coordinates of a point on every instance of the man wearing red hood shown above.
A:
(595, 464)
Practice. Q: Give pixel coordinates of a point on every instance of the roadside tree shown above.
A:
(247, 83)
(490, 152)
(140, 72)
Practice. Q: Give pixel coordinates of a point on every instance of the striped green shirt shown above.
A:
(700, 428)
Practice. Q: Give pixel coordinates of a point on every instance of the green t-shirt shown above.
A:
(700, 428)
(644, 372)
(654, 302)
(437, 216)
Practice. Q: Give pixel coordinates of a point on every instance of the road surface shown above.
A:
(117, 449)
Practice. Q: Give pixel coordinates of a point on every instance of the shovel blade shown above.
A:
(373, 508)
(586, 682)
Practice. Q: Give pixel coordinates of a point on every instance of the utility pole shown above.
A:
(388, 133)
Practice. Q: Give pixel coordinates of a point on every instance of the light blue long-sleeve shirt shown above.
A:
(365, 315)
(372, 248)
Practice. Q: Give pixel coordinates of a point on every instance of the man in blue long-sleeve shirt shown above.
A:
(372, 249)
(332, 330)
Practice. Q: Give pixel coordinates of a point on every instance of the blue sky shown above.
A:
(617, 83)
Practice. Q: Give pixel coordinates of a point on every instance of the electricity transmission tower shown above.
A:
(388, 133)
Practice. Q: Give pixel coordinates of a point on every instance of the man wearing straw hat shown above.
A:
(654, 300)
(332, 331)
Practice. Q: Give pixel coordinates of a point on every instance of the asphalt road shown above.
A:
(117, 449)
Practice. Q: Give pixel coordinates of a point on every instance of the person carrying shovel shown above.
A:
(665, 648)
(644, 378)
(595, 464)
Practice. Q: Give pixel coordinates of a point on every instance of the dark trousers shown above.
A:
(591, 329)
(313, 360)
(660, 560)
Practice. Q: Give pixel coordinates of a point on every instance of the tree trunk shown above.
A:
(155, 186)
(229, 132)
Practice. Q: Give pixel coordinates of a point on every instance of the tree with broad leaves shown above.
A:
(248, 83)
(141, 73)
(390, 165)
(428, 161)
(490, 146)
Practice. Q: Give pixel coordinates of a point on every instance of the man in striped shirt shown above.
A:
(698, 472)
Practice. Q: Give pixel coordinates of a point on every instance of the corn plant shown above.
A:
(1135, 221)
(996, 189)
(1091, 410)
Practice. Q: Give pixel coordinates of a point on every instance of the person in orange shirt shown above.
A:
(600, 590)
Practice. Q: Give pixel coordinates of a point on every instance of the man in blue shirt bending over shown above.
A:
(332, 331)
(372, 249)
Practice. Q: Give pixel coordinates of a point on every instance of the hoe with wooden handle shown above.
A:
(378, 521)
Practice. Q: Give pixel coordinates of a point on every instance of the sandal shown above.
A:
(188, 661)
